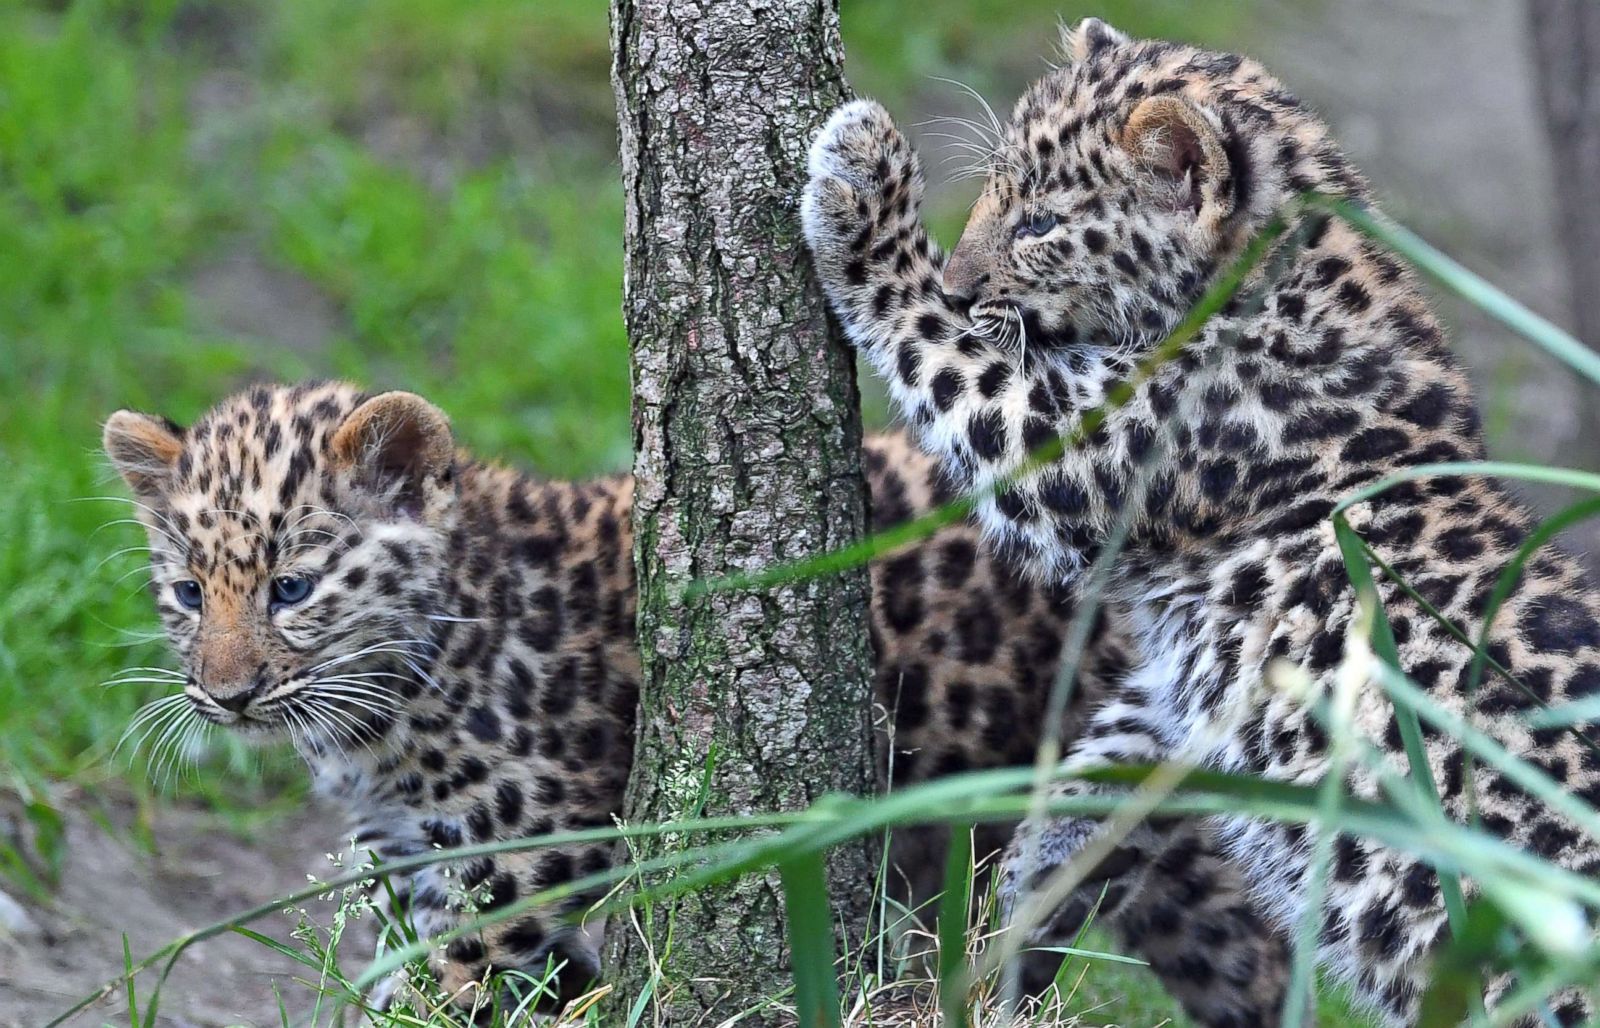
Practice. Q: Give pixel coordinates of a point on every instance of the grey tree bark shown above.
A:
(1566, 41)
(747, 441)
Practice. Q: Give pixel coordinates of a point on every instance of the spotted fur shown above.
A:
(1123, 183)
(463, 668)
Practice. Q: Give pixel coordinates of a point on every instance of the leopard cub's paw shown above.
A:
(860, 145)
(859, 157)
(1034, 853)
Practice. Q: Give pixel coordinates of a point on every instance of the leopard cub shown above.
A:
(450, 645)
(1127, 182)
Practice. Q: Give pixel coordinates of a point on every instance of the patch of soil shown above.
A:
(241, 294)
(198, 873)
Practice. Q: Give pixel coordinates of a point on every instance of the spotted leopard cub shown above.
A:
(450, 645)
(1123, 184)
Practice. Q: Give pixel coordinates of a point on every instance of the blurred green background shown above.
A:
(410, 193)
(424, 194)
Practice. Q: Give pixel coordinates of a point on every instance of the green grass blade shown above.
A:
(1459, 634)
(1384, 648)
(999, 795)
(1504, 585)
(1530, 996)
(954, 909)
(133, 999)
(636, 1012)
(807, 910)
(1090, 954)
(1521, 773)
(294, 953)
(1301, 992)
(1585, 480)
(1456, 973)
(974, 796)
(177, 947)
(1566, 715)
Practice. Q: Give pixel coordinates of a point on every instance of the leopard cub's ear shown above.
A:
(400, 446)
(1182, 145)
(1081, 41)
(144, 449)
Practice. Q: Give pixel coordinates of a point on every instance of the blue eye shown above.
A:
(1037, 225)
(188, 594)
(287, 590)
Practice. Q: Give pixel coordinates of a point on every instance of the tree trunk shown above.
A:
(747, 441)
(1566, 61)
(1566, 41)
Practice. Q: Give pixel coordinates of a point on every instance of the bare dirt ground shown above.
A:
(197, 874)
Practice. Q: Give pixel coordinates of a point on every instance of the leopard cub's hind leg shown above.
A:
(1170, 896)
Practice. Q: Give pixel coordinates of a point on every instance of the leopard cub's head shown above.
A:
(1124, 180)
(298, 545)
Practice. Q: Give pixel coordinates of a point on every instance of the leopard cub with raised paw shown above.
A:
(1124, 184)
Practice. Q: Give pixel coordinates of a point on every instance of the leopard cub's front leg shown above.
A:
(883, 276)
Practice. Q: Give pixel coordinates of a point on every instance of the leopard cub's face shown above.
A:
(1110, 198)
(298, 541)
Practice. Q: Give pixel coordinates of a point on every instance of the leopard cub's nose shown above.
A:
(961, 283)
(960, 302)
(236, 698)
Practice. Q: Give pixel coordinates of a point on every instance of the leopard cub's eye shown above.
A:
(188, 594)
(1037, 224)
(287, 590)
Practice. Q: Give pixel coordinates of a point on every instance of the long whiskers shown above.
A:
(981, 145)
(404, 647)
(368, 697)
(142, 569)
(162, 520)
(144, 676)
(178, 731)
(149, 717)
(186, 749)
(994, 120)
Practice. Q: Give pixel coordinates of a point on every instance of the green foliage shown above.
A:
(439, 176)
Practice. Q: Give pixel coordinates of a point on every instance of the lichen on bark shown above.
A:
(747, 442)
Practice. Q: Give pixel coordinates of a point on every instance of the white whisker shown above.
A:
(142, 680)
(163, 520)
(423, 674)
(299, 731)
(363, 676)
(985, 134)
(164, 751)
(151, 713)
(142, 569)
(367, 693)
(994, 120)
(399, 646)
(335, 722)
